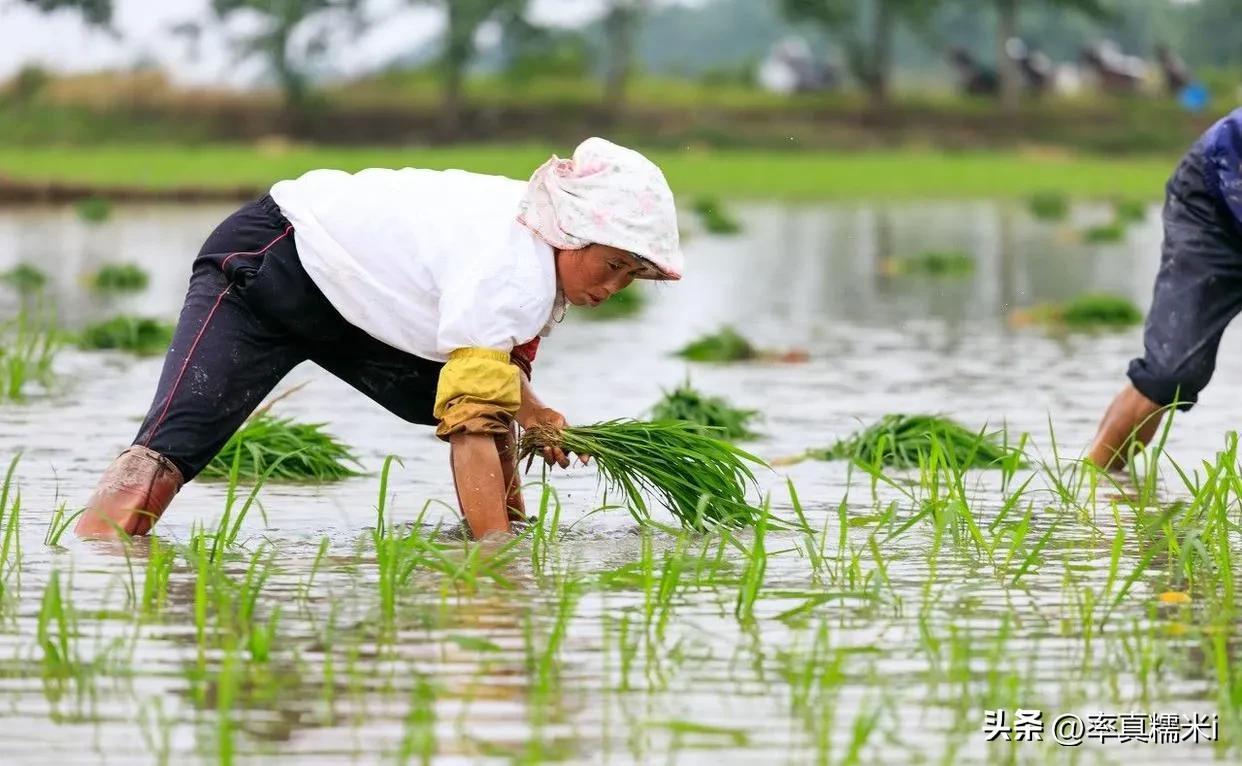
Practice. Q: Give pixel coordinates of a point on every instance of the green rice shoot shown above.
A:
(120, 277)
(716, 219)
(143, 336)
(933, 263)
(712, 413)
(905, 441)
(24, 278)
(28, 346)
(1049, 206)
(725, 345)
(700, 479)
(307, 453)
(625, 303)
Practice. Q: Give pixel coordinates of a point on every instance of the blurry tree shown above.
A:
(866, 30)
(463, 20)
(621, 22)
(94, 11)
(1211, 32)
(280, 20)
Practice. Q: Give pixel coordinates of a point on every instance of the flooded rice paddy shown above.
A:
(910, 606)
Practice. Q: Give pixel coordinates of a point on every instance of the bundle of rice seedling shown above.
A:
(935, 263)
(1100, 309)
(309, 454)
(93, 209)
(24, 278)
(122, 277)
(140, 335)
(1130, 210)
(714, 216)
(897, 441)
(702, 480)
(1107, 232)
(1086, 312)
(712, 413)
(726, 345)
(626, 303)
(1049, 206)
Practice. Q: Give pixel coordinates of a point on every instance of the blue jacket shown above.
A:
(1222, 146)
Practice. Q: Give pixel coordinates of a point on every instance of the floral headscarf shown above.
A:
(606, 195)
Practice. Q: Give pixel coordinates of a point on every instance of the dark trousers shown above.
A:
(251, 315)
(1198, 288)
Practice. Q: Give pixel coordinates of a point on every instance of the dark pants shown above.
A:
(1198, 288)
(251, 315)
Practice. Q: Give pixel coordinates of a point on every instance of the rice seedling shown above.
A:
(932, 263)
(725, 345)
(56, 631)
(120, 277)
(1049, 206)
(626, 303)
(10, 540)
(93, 209)
(700, 479)
(906, 441)
(419, 739)
(716, 219)
(713, 413)
(753, 573)
(1130, 210)
(283, 450)
(24, 278)
(28, 347)
(160, 560)
(59, 524)
(144, 336)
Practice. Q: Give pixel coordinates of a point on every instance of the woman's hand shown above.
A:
(546, 417)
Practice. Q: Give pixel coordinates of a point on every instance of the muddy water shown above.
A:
(483, 674)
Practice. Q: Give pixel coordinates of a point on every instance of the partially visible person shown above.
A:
(428, 291)
(1198, 292)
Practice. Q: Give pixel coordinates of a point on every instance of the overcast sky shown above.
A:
(61, 41)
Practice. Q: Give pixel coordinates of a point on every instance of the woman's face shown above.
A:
(595, 273)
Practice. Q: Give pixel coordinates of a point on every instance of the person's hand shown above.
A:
(546, 417)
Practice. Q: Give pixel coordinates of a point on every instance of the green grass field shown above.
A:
(749, 174)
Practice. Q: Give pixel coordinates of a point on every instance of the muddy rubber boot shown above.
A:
(131, 495)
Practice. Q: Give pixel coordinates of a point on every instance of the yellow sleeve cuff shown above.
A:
(479, 391)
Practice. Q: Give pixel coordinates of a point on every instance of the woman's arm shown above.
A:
(480, 482)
